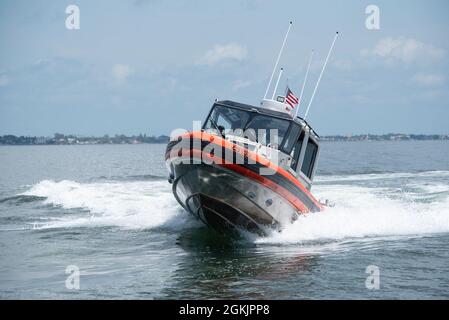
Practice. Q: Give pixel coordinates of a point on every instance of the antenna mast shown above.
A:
(304, 83)
(277, 83)
(321, 74)
(277, 60)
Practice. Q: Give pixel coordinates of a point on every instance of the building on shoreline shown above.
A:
(61, 139)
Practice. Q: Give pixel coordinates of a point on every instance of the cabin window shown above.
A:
(227, 118)
(225, 123)
(291, 138)
(297, 151)
(265, 124)
(309, 158)
(248, 124)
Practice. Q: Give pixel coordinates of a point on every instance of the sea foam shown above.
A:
(133, 204)
(359, 211)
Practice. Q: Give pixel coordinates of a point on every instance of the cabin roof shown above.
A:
(269, 112)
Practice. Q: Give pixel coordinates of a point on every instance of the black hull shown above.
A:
(226, 201)
(227, 195)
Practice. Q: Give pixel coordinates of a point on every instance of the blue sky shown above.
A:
(138, 66)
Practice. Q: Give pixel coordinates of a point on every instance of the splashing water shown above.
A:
(135, 204)
(414, 205)
(361, 212)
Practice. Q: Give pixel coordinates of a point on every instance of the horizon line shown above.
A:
(168, 135)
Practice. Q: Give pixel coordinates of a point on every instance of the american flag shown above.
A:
(290, 98)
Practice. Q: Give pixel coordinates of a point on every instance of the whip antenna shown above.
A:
(321, 74)
(277, 83)
(277, 61)
(304, 84)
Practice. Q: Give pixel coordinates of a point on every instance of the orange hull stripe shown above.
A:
(254, 156)
(261, 179)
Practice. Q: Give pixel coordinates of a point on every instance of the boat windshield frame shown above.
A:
(284, 146)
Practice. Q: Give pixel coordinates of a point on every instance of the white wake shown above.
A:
(361, 212)
(388, 208)
(135, 204)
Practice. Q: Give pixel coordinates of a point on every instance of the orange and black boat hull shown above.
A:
(226, 187)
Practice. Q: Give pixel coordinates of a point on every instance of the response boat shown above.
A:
(229, 180)
(248, 167)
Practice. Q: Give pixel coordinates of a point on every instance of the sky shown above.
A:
(150, 66)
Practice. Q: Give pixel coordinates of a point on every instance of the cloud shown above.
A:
(343, 64)
(4, 80)
(428, 80)
(240, 84)
(406, 50)
(231, 51)
(139, 3)
(121, 71)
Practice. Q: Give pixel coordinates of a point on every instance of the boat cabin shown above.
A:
(296, 142)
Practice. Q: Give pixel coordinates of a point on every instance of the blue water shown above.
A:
(109, 211)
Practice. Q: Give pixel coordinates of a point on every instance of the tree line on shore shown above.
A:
(61, 139)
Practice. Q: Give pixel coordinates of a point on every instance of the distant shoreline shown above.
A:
(386, 137)
(61, 139)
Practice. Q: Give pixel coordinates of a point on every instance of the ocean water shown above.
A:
(109, 211)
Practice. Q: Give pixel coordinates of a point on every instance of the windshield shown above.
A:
(256, 127)
(226, 119)
(269, 130)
